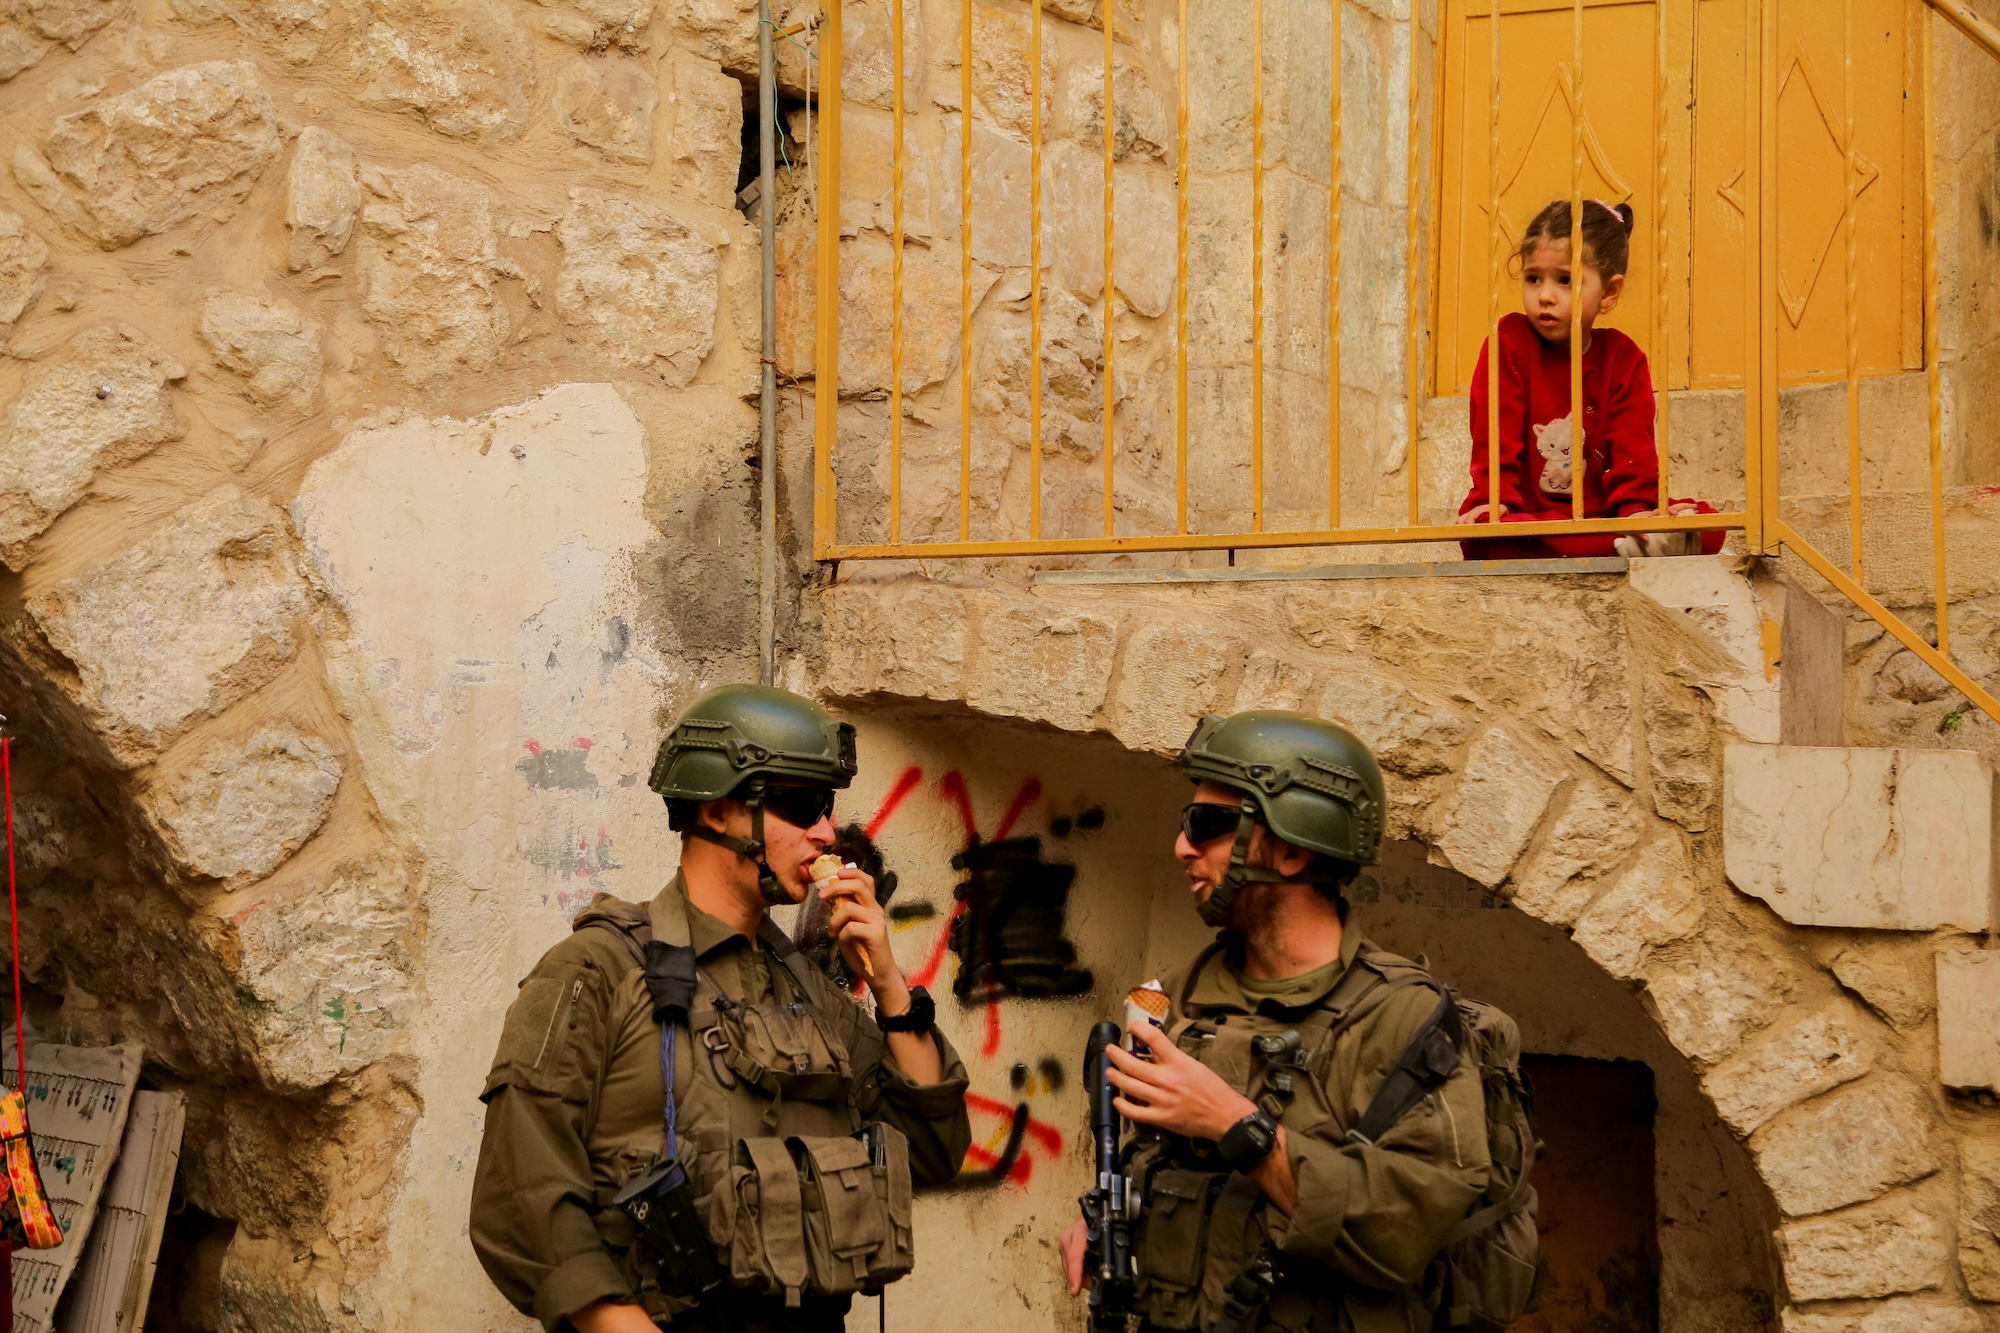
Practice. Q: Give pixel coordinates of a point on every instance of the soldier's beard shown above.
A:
(1254, 910)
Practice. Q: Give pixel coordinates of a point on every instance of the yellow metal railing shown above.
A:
(1764, 527)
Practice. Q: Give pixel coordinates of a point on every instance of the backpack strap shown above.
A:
(1430, 1058)
(1517, 1199)
(865, 1048)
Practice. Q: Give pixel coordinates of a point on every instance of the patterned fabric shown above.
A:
(25, 1218)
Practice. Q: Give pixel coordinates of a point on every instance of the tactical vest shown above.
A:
(1202, 1225)
(800, 1198)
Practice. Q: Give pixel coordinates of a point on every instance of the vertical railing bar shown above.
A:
(826, 279)
(1663, 340)
(1853, 265)
(1579, 465)
(1035, 273)
(1110, 289)
(1767, 179)
(965, 276)
(896, 281)
(1933, 344)
(1334, 173)
(1256, 265)
(1180, 287)
(1495, 241)
(1753, 364)
(1413, 389)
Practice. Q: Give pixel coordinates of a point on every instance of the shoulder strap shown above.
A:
(1430, 1058)
(1201, 961)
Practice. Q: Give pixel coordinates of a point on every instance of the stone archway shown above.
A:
(1558, 742)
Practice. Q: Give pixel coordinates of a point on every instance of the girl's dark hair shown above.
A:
(1607, 234)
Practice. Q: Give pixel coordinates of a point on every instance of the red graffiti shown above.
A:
(1031, 791)
(905, 784)
(1046, 1136)
(583, 742)
(951, 787)
(532, 746)
(990, 1047)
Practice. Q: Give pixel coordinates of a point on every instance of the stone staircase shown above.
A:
(1844, 837)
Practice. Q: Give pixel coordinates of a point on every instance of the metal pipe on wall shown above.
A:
(767, 405)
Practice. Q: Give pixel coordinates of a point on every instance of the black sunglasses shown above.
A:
(1205, 821)
(801, 807)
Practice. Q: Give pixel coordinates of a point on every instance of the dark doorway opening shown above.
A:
(1595, 1186)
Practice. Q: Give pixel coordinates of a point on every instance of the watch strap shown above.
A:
(1249, 1141)
(920, 1017)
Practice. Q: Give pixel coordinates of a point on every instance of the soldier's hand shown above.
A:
(611, 1317)
(1173, 1091)
(1075, 1241)
(860, 926)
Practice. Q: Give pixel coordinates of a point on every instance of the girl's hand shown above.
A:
(1477, 514)
(1684, 507)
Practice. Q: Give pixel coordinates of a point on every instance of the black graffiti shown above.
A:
(1009, 937)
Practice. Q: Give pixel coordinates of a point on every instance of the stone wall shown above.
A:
(376, 475)
(1559, 742)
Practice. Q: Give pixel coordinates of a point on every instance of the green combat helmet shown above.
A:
(735, 739)
(1310, 782)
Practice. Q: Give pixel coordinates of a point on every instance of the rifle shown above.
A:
(1113, 1204)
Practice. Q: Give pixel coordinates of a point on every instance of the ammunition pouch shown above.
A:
(783, 1050)
(820, 1216)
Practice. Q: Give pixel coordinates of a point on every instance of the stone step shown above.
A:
(1879, 839)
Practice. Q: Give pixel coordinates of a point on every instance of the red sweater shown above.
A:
(1621, 465)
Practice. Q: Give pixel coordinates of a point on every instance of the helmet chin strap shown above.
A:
(1215, 909)
(750, 849)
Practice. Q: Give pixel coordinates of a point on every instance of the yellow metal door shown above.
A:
(1626, 127)
(1686, 112)
(1813, 186)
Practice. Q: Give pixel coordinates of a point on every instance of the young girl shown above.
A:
(1620, 474)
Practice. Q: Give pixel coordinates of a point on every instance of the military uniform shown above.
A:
(771, 1180)
(1381, 1193)
(574, 1111)
(1370, 1219)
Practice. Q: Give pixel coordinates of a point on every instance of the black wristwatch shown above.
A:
(921, 1016)
(1248, 1142)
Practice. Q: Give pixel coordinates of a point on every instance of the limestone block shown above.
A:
(321, 199)
(466, 69)
(179, 627)
(1499, 801)
(637, 284)
(99, 401)
(598, 24)
(1715, 991)
(904, 640)
(1789, 1065)
(1171, 677)
(1001, 80)
(1035, 663)
(428, 265)
(609, 103)
(269, 343)
(1879, 1249)
(931, 309)
(1138, 113)
(868, 34)
(868, 175)
(1968, 1004)
(1144, 250)
(1410, 733)
(327, 965)
(1001, 172)
(33, 28)
(1848, 1146)
(1652, 903)
(721, 30)
(1906, 1314)
(23, 257)
(186, 144)
(1599, 825)
(1900, 985)
(1881, 839)
(1681, 754)
(294, 29)
(236, 810)
(1270, 681)
(1979, 1218)
(707, 142)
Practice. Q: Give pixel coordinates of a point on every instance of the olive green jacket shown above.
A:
(1370, 1218)
(574, 1105)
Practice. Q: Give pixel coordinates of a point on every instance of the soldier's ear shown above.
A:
(715, 814)
(1288, 860)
